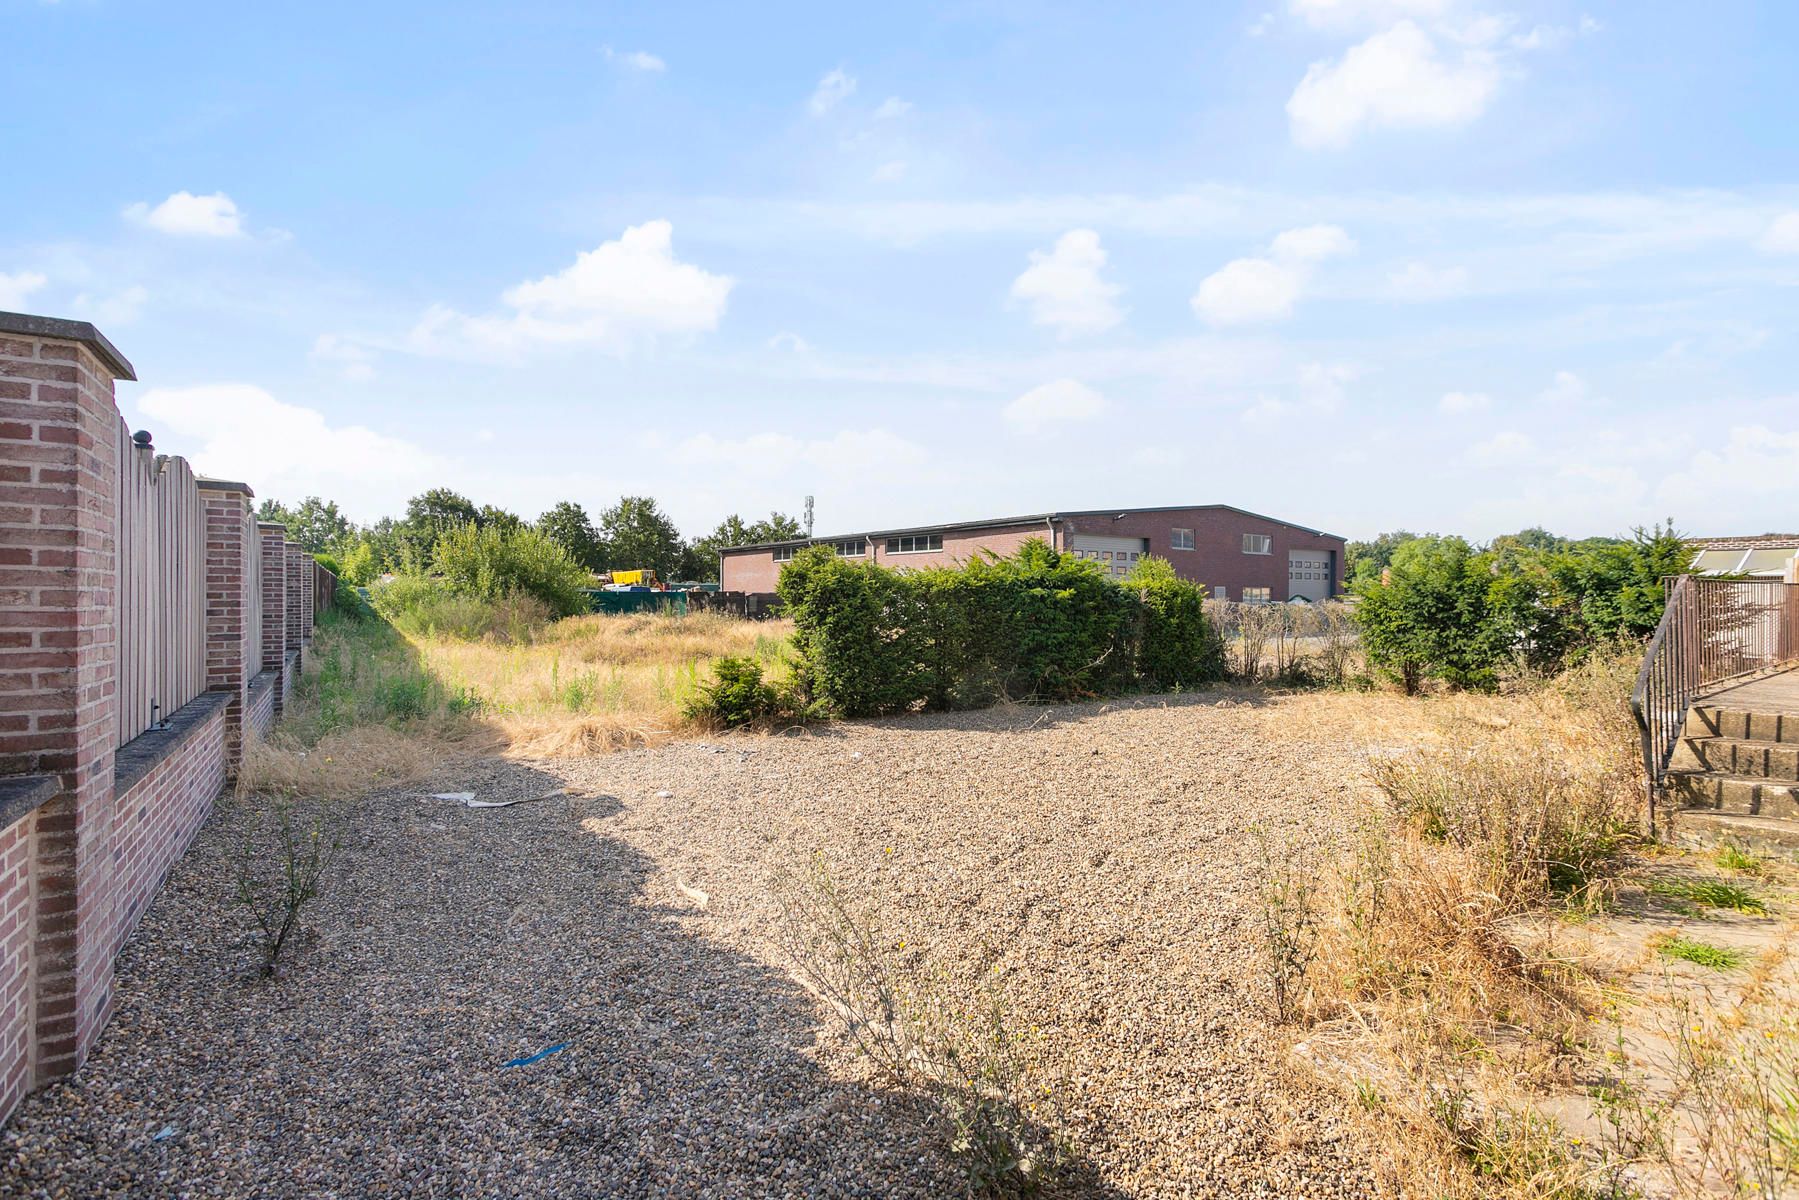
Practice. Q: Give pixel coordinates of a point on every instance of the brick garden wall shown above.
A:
(88, 829)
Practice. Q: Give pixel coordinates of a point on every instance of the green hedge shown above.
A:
(1036, 626)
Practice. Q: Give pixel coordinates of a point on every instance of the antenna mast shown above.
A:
(808, 516)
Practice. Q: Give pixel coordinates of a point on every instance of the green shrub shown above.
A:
(361, 566)
(1036, 626)
(1179, 646)
(493, 561)
(1430, 617)
(736, 695)
(421, 606)
(855, 633)
(348, 601)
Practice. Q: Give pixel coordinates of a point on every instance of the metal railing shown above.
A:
(1712, 631)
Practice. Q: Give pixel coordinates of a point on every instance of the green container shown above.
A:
(634, 602)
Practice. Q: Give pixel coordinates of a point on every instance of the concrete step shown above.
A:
(1710, 720)
(1740, 794)
(1704, 829)
(1740, 756)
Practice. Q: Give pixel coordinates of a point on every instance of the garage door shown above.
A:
(1115, 555)
(1308, 574)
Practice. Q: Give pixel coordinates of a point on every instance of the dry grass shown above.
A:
(376, 706)
(1435, 986)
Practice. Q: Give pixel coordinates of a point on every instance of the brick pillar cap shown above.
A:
(26, 325)
(271, 525)
(223, 485)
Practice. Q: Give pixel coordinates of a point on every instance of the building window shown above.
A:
(1257, 543)
(1182, 539)
(1257, 595)
(1221, 593)
(915, 543)
(850, 547)
(784, 553)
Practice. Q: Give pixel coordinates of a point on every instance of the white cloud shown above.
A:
(352, 360)
(1464, 402)
(1502, 449)
(188, 215)
(1782, 237)
(834, 88)
(1064, 289)
(1393, 79)
(116, 308)
(617, 295)
(1421, 281)
(1062, 402)
(891, 108)
(793, 343)
(637, 60)
(1249, 290)
(1565, 389)
(890, 172)
(239, 431)
(1345, 16)
(14, 288)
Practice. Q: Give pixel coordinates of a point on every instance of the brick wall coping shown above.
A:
(271, 525)
(264, 680)
(136, 758)
(27, 325)
(22, 795)
(223, 485)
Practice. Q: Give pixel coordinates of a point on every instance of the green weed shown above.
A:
(1703, 954)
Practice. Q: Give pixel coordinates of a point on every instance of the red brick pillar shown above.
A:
(59, 473)
(233, 649)
(299, 566)
(309, 612)
(271, 544)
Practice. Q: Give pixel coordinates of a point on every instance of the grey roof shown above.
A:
(1009, 522)
(27, 325)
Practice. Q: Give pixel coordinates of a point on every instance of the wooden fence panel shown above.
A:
(162, 587)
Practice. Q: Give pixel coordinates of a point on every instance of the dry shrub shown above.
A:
(921, 1034)
(1436, 977)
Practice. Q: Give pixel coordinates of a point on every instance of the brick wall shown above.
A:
(273, 547)
(87, 833)
(265, 694)
(299, 568)
(162, 795)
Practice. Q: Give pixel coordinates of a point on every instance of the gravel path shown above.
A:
(1097, 863)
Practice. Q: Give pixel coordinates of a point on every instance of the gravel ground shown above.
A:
(1095, 863)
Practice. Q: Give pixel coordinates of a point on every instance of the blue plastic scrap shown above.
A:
(539, 1056)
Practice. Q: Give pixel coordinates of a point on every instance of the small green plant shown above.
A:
(302, 858)
(1731, 857)
(736, 696)
(1710, 893)
(1703, 954)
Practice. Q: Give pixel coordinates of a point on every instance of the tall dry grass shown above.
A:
(1432, 977)
(377, 706)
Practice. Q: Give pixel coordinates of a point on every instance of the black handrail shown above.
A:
(1712, 631)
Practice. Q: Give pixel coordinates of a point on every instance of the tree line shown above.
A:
(632, 534)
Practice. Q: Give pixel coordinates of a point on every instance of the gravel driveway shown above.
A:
(1096, 863)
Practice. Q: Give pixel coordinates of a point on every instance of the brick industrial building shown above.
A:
(1238, 555)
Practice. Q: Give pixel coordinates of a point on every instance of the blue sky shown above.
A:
(1441, 264)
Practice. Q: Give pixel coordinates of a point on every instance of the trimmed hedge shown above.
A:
(1035, 626)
